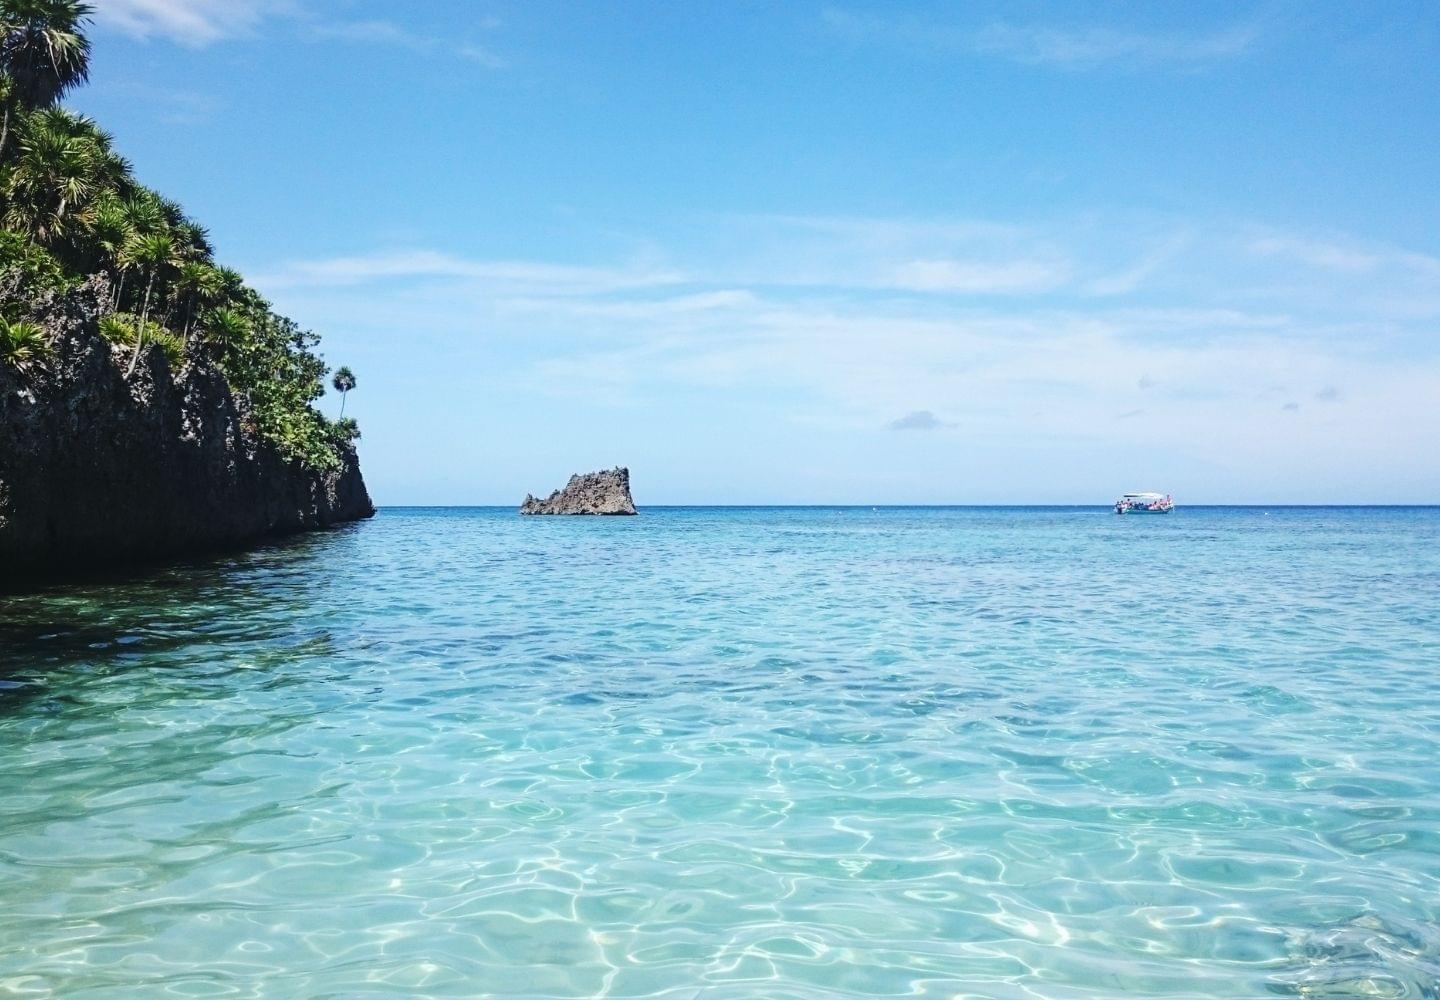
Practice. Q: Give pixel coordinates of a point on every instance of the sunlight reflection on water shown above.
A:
(768, 752)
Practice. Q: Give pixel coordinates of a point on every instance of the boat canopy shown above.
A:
(1143, 496)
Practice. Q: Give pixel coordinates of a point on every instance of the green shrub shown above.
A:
(118, 328)
(122, 328)
(26, 271)
(171, 343)
(22, 344)
(345, 430)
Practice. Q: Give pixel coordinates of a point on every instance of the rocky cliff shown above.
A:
(96, 469)
(606, 492)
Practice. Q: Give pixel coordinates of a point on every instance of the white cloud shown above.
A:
(1091, 47)
(518, 277)
(190, 22)
(199, 23)
(1349, 256)
(373, 32)
(862, 328)
(1355, 275)
(382, 32)
(1192, 368)
(977, 277)
(482, 55)
(1084, 47)
(1130, 277)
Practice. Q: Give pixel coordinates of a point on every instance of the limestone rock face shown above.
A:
(606, 492)
(96, 469)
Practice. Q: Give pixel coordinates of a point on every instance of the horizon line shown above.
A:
(927, 506)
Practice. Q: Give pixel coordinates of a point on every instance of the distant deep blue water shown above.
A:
(726, 753)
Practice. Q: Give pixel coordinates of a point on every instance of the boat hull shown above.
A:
(1143, 510)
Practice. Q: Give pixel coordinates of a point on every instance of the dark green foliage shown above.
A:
(26, 271)
(70, 208)
(118, 328)
(43, 53)
(273, 366)
(22, 344)
(346, 429)
(43, 49)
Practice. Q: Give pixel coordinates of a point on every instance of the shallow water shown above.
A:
(737, 753)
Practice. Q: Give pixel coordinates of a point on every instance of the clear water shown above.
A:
(737, 753)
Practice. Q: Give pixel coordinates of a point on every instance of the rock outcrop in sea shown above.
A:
(605, 492)
(96, 469)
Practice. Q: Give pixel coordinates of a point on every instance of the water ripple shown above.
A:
(780, 753)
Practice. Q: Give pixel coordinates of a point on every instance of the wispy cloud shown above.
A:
(824, 311)
(189, 22)
(391, 33)
(977, 277)
(1134, 274)
(1336, 255)
(198, 23)
(1074, 48)
(1390, 281)
(518, 277)
(929, 256)
(1091, 47)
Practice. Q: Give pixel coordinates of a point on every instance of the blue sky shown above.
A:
(832, 252)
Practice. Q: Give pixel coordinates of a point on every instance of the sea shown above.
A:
(737, 753)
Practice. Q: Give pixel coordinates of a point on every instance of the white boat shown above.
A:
(1144, 503)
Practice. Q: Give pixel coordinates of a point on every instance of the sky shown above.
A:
(845, 252)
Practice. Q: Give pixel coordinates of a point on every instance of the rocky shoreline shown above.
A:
(97, 470)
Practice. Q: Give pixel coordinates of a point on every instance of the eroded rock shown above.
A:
(96, 469)
(605, 492)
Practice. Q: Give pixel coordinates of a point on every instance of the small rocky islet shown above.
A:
(606, 492)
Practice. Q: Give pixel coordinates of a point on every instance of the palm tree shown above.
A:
(21, 343)
(226, 329)
(232, 284)
(343, 382)
(199, 284)
(142, 218)
(195, 241)
(154, 254)
(57, 171)
(43, 53)
(111, 232)
(144, 213)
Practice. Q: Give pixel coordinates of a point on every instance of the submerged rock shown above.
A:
(606, 492)
(97, 469)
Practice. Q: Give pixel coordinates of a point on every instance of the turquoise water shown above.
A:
(737, 753)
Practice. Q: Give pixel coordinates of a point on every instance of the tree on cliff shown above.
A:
(59, 164)
(343, 382)
(154, 256)
(72, 211)
(43, 53)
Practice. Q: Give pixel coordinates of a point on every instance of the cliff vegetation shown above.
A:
(72, 213)
(151, 403)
